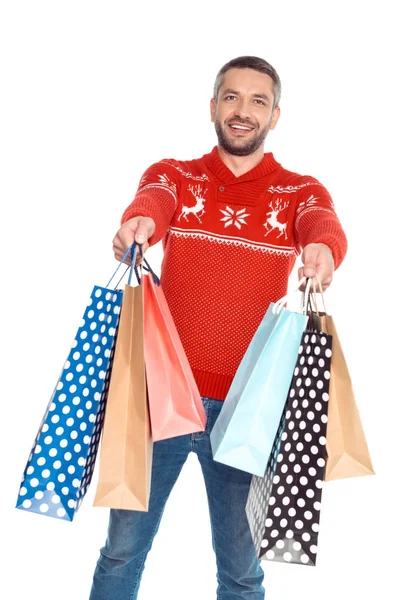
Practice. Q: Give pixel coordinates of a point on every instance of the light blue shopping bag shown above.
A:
(244, 432)
(60, 467)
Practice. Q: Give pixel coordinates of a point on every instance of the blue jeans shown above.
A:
(131, 533)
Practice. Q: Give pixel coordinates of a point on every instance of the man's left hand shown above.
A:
(318, 261)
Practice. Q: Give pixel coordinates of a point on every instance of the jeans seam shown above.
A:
(212, 534)
(146, 550)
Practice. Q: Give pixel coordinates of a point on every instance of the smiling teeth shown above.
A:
(241, 127)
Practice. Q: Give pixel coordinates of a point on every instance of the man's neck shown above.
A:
(239, 165)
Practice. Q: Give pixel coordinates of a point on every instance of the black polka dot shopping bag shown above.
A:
(283, 506)
(61, 463)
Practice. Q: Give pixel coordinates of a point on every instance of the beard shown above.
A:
(241, 149)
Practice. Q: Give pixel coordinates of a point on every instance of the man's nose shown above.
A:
(243, 110)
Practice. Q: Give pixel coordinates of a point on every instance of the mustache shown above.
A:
(240, 121)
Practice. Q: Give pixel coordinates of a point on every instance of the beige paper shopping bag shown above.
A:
(346, 445)
(127, 448)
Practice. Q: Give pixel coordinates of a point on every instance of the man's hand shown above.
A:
(317, 260)
(139, 230)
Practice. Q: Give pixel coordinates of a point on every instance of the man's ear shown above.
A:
(213, 109)
(275, 117)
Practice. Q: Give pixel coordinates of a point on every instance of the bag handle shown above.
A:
(277, 308)
(147, 268)
(132, 250)
(311, 301)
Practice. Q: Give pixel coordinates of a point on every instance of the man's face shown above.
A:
(243, 113)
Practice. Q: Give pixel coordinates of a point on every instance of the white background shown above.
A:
(92, 94)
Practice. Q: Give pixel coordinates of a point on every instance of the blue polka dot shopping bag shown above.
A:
(60, 467)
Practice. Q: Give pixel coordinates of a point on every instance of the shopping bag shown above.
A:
(60, 467)
(244, 432)
(175, 403)
(126, 447)
(283, 507)
(346, 444)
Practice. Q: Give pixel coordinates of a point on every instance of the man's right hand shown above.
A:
(139, 230)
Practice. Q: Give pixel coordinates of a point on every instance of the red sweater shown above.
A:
(230, 244)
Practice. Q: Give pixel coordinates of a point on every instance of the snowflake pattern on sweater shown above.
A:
(232, 217)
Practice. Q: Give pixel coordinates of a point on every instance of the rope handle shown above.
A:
(312, 302)
(279, 304)
(132, 250)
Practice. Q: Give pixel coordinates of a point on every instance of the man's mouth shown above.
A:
(240, 129)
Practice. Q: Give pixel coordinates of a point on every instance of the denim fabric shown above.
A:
(131, 533)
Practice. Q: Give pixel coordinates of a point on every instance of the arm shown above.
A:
(156, 198)
(147, 218)
(319, 233)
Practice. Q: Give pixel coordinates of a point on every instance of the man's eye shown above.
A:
(230, 97)
(261, 102)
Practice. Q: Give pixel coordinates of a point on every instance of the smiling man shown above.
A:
(243, 133)
(232, 224)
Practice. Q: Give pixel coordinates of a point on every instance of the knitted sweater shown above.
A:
(230, 244)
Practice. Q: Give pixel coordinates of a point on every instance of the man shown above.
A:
(232, 224)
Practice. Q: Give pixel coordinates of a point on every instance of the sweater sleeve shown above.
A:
(316, 221)
(156, 197)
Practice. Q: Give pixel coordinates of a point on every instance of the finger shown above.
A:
(302, 288)
(324, 273)
(309, 269)
(324, 269)
(309, 264)
(310, 260)
(120, 251)
(117, 244)
(120, 255)
(120, 248)
(125, 239)
(144, 231)
(300, 273)
(325, 285)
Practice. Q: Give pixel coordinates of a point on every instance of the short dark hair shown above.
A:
(250, 62)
